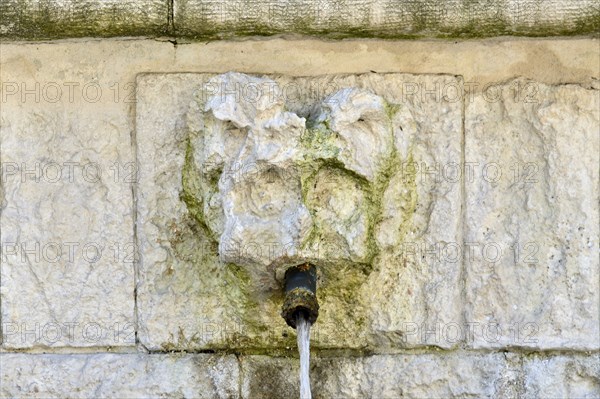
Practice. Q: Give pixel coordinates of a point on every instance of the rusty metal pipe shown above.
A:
(300, 294)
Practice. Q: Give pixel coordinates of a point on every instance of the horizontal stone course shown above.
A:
(433, 375)
(419, 376)
(385, 18)
(106, 375)
(440, 375)
(562, 376)
(37, 19)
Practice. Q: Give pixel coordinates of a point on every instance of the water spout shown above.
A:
(300, 294)
(300, 310)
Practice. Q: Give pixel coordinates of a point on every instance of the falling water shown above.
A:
(303, 329)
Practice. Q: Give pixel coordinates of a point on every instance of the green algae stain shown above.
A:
(409, 197)
(472, 19)
(190, 179)
(194, 184)
(340, 281)
(340, 289)
(319, 143)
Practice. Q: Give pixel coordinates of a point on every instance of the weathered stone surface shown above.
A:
(414, 288)
(183, 289)
(39, 19)
(479, 62)
(198, 230)
(361, 123)
(182, 299)
(574, 376)
(67, 227)
(118, 376)
(281, 180)
(252, 146)
(386, 18)
(532, 216)
(393, 376)
(448, 375)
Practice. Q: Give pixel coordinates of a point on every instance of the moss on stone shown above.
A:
(192, 184)
(341, 280)
(410, 197)
(42, 20)
(45, 19)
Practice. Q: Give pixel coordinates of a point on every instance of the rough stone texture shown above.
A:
(440, 375)
(187, 298)
(541, 290)
(386, 18)
(562, 377)
(114, 64)
(67, 226)
(251, 147)
(118, 376)
(41, 19)
(186, 283)
(479, 62)
(66, 62)
(408, 376)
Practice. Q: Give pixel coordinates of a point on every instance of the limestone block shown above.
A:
(564, 376)
(67, 228)
(241, 176)
(106, 375)
(384, 376)
(385, 18)
(39, 19)
(532, 216)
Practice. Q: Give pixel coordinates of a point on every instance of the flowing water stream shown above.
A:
(303, 331)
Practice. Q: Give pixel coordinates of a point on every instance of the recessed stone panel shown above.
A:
(242, 176)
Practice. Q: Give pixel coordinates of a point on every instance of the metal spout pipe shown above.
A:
(300, 294)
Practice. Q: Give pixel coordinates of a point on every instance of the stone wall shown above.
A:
(448, 192)
(200, 19)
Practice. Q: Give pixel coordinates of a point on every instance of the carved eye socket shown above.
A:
(272, 175)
